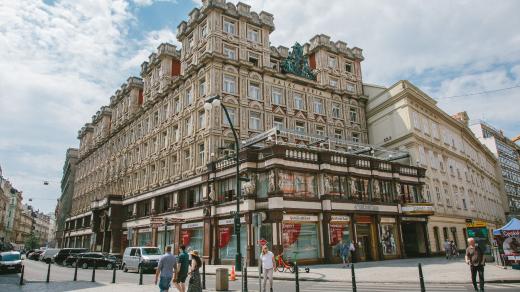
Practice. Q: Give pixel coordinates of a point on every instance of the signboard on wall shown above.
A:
(192, 225)
(300, 218)
(340, 218)
(422, 209)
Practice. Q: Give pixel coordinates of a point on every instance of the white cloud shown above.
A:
(144, 3)
(149, 44)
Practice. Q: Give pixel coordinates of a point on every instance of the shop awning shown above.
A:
(512, 227)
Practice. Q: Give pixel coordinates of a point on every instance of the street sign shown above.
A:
(262, 242)
(156, 220)
(260, 137)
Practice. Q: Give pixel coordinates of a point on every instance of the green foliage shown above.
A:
(32, 242)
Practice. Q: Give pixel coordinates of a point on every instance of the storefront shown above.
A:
(389, 238)
(339, 230)
(227, 240)
(162, 235)
(144, 237)
(415, 240)
(300, 237)
(192, 236)
(366, 236)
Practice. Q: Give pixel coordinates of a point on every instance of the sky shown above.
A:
(61, 61)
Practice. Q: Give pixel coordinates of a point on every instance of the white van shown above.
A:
(141, 257)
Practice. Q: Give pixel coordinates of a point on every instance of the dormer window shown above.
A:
(229, 27)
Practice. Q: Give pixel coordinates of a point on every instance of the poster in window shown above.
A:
(336, 233)
(186, 237)
(291, 232)
(511, 246)
(224, 236)
(388, 239)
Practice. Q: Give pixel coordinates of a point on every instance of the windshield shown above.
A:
(10, 257)
(151, 251)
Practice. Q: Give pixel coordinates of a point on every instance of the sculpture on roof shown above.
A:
(296, 63)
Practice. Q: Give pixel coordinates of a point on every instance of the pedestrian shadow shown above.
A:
(58, 286)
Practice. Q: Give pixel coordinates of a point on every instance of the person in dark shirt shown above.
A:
(476, 260)
(183, 264)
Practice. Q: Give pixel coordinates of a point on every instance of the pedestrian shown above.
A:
(476, 260)
(195, 284)
(447, 248)
(183, 265)
(344, 251)
(352, 249)
(166, 269)
(454, 250)
(267, 267)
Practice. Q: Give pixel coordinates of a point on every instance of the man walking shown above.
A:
(475, 258)
(183, 264)
(165, 269)
(447, 248)
(344, 251)
(268, 264)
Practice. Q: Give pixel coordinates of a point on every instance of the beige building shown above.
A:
(462, 177)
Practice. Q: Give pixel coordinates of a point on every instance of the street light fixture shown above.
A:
(211, 102)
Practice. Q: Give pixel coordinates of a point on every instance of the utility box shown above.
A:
(222, 280)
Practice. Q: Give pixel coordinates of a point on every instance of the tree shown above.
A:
(32, 242)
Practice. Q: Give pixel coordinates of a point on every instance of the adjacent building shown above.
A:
(156, 153)
(64, 204)
(462, 175)
(509, 161)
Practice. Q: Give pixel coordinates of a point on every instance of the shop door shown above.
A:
(364, 242)
(410, 239)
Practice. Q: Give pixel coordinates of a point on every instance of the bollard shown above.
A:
(21, 275)
(244, 276)
(76, 271)
(203, 275)
(114, 275)
(297, 279)
(140, 276)
(48, 273)
(354, 287)
(421, 278)
(94, 272)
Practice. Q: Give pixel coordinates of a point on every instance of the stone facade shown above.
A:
(462, 178)
(64, 205)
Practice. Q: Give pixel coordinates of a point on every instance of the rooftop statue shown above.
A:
(296, 63)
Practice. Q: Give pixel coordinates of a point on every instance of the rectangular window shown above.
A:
(176, 133)
(298, 102)
(202, 119)
(230, 84)
(253, 58)
(320, 131)
(318, 106)
(253, 35)
(426, 126)
(254, 91)
(276, 96)
(300, 127)
(422, 155)
(338, 134)
(333, 82)
(355, 137)
(202, 87)
(255, 121)
(232, 113)
(176, 105)
(416, 120)
(348, 67)
(189, 97)
(351, 87)
(353, 114)
(336, 110)
(189, 126)
(187, 158)
(230, 52)
(229, 27)
(279, 123)
(201, 153)
(332, 62)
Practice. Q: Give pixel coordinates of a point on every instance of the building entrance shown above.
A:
(364, 242)
(414, 239)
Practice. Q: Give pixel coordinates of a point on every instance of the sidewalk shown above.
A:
(81, 286)
(435, 270)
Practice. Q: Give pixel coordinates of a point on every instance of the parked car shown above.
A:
(47, 255)
(35, 255)
(10, 261)
(118, 259)
(61, 257)
(72, 259)
(141, 257)
(98, 259)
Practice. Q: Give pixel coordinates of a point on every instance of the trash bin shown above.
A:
(222, 280)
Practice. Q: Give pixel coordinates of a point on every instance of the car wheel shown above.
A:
(84, 266)
(125, 269)
(110, 266)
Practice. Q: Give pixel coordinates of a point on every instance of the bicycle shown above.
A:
(282, 265)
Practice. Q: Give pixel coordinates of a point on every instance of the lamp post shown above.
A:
(211, 102)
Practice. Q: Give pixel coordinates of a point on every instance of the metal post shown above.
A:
(166, 233)
(94, 272)
(114, 275)
(421, 278)
(203, 275)
(354, 287)
(297, 278)
(21, 275)
(244, 276)
(76, 271)
(48, 273)
(140, 276)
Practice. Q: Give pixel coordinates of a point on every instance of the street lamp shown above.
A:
(211, 102)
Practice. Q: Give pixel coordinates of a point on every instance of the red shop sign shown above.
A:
(186, 237)
(336, 233)
(224, 235)
(291, 232)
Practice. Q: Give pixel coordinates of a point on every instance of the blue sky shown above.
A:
(61, 60)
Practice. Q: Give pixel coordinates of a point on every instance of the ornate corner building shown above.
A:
(156, 153)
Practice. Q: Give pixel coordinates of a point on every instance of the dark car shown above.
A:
(72, 259)
(61, 257)
(47, 255)
(118, 259)
(98, 259)
(35, 255)
(10, 261)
